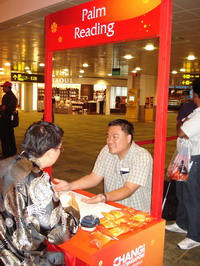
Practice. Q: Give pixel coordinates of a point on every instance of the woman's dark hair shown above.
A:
(40, 137)
(196, 86)
(125, 126)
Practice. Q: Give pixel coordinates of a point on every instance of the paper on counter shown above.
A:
(85, 208)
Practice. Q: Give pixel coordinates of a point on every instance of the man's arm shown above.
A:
(84, 182)
(118, 194)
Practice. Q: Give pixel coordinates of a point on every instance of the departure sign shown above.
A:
(187, 79)
(21, 77)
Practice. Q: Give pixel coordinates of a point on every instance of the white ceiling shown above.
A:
(22, 44)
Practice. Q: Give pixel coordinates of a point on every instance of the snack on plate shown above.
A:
(99, 240)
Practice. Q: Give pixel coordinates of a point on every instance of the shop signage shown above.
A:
(187, 79)
(102, 21)
(21, 77)
(63, 80)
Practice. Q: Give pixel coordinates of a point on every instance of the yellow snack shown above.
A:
(108, 216)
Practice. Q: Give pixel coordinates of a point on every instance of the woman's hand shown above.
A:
(61, 185)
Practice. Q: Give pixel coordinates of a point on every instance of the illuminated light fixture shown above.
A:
(134, 71)
(53, 76)
(174, 72)
(85, 65)
(182, 70)
(65, 69)
(80, 76)
(66, 74)
(138, 68)
(1, 73)
(7, 64)
(41, 64)
(149, 47)
(191, 57)
(128, 56)
(26, 68)
(109, 74)
(1, 68)
(29, 72)
(81, 71)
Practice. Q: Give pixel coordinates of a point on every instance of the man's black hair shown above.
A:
(196, 86)
(125, 126)
(40, 137)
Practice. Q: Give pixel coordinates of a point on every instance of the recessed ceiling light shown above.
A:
(174, 72)
(53, 76)
(85, 65)
(26, 68)
(65, 69)
(109, 74)
(81, 71)
(134, 71)
(182, 70)
(80, 76)
(149, 47)
(128, 56)
(1, 73)
(138, 68)
(1, 68)
(191, 57)
(7, 64)
(41, 64)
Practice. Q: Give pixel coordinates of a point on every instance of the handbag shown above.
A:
(179, 165)
(15, 119)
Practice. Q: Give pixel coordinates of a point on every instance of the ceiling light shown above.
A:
(191, 57)
(7, 64)
(109, 74)
(138, 68)
(134, 71)
(65, 69)
(128, 56)
(41, 64)
(80, 76)
(1, 73)
(85, 65)
(53, 76)
(1, 68)
(182, 70)
(26, 68)
(81, 71)
(149, 47)
(174, 72)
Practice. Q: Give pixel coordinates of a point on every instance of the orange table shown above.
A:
(144, 246)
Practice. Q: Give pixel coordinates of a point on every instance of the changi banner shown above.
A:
(101, 22)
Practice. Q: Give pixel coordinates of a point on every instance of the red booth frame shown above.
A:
(161, 110)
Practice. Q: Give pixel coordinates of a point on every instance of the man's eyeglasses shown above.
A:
(61, 149)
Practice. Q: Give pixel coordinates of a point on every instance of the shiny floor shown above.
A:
(84, 137)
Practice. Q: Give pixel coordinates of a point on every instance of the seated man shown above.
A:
(30, 212)
(125, 168)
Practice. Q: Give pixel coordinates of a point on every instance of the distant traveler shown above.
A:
(8, 106)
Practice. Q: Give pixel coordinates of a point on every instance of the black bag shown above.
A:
(15, 119)
(170, 201)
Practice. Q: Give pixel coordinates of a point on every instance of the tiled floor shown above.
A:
(84, 137)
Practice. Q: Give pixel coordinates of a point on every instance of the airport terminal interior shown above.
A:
(94, 85)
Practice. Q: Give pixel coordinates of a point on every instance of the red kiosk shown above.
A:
(102, 22)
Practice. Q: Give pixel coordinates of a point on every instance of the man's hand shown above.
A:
(61, 185)
(96, 199)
